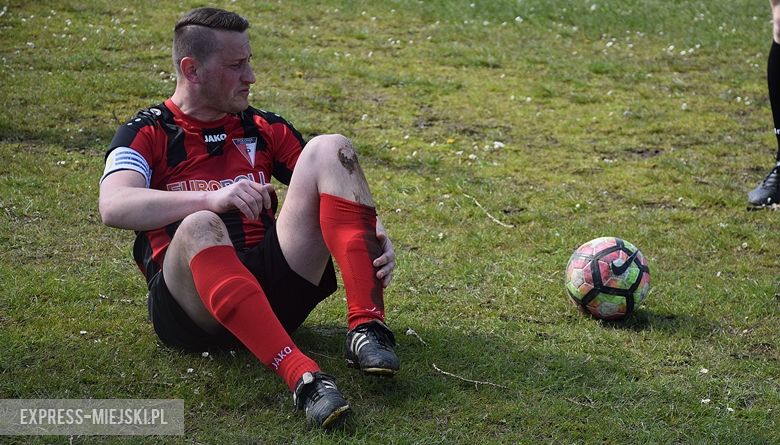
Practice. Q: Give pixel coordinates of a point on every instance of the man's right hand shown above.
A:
(249, 197)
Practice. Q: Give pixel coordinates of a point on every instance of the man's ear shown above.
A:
(189, 69)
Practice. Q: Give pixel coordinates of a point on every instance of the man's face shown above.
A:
(226, 75)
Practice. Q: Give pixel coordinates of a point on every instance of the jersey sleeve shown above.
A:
(286, 145)
(125, 158)
(132, 147)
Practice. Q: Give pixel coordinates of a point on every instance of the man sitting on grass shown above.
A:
(192, 177)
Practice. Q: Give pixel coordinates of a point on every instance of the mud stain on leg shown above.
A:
(215, 229)
(348, 159)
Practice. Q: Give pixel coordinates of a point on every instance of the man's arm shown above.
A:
(126, 203)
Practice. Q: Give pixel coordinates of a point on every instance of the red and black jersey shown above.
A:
(182, 153)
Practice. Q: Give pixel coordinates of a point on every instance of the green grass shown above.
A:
(647, 120)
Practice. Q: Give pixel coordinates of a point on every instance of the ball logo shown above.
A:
(619, 266)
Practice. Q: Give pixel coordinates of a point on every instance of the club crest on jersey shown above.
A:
(247, 147)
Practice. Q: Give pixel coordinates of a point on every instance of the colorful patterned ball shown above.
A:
(608, 278)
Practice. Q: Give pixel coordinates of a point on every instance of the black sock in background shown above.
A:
(773, 81)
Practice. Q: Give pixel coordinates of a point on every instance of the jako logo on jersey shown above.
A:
(280, 356)
(247, 147)
(202, 185)
(214, 138)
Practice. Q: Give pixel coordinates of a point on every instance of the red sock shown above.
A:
(234, 297)
(349, 230)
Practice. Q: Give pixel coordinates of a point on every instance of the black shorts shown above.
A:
(291, 296)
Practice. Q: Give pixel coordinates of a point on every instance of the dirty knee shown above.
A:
(201, 230)
(333, 150)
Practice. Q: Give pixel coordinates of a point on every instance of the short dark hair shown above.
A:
(193, 35)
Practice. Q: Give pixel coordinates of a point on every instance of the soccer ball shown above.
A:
(608, 278)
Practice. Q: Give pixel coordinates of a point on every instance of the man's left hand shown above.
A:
(386, 261)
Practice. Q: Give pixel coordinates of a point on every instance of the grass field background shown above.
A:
(566, 120)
